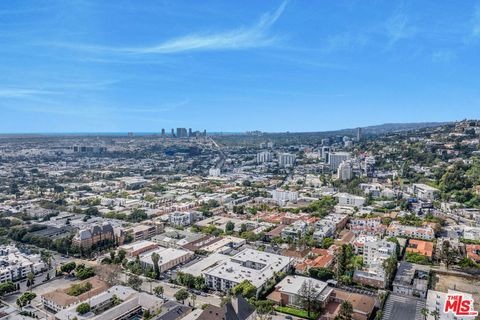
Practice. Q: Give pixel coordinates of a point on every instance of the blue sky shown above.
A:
(93, 66)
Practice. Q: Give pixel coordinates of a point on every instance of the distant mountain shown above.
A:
(397, 127)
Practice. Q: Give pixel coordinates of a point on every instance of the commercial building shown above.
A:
(411, 280)
(137, 248)
(118, 302)
(168, 258)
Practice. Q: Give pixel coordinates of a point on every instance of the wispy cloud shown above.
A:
(476, 21)
(254, 36)
(346, 41)
(398, 26)
(24, 93)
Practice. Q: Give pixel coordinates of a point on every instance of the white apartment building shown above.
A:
(345, 171)
(296, 229)
(282, 196)
(286, 159)
(396, 229)
(424, 192)
(264, 156)
(350, 200)
(15, 265)
(181, 219)
(327, 226)
(374, 254)
(255, 266)
(335, 158)
(214, 172)
(378, 251)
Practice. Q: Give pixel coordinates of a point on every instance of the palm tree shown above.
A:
(155, 259)
(424, 313)
(435, 314)
(193, 297)
(149, 280)
(30, 278)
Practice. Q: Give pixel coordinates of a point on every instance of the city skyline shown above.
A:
(274, 66)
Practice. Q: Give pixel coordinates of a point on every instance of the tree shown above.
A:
(245, 288)
(68, 267)
(341, 261)
(200, 283)
(25, 299)
(327, 242)
(181, 295)
(134, 282)
(155, 259)
(109, 273)
(112, 255)
(229, 227)
(158, 291)
(308, 295)
(82, 272)
(7, 287)
(264, 309)
(390, 267)
(435, 314)
(449, 254)
(83, 308)
(346, 311)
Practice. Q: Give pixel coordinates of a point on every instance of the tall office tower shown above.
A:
(205, 132)
(264, 156)
(181, 133)
(286, 159)
(359, 134)
(163, 131)
(335, 158)
(190, 132)
(325, 152)
(325, 142)
(173, 133)
(345, 171)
